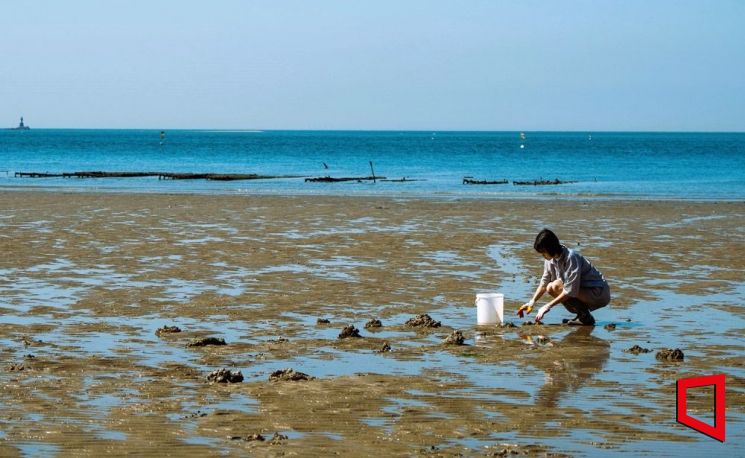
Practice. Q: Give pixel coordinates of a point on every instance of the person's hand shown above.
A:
(542, 312)
(526, 308)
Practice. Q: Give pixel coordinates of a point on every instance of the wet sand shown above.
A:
(87, 279)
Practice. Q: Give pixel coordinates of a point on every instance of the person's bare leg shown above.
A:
(573, 305)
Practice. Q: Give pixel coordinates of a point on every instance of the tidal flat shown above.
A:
(87, 279)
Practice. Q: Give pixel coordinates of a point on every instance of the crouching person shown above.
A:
(570, 279)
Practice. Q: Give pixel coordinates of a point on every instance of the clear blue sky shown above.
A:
(403, 64)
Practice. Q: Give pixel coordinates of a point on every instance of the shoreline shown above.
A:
(542, 197)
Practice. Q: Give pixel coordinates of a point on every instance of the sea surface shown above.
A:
(696, 166)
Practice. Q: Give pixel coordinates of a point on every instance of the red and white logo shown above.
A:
(717, 431)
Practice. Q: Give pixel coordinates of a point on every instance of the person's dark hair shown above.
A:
(547, 242)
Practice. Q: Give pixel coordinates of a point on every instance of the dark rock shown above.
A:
(252, 437)
(423, 321)
(456, 338)
(206, 341)
(16, 367)
(280, 340)
(373, 324)
(541, 340)
(167, 330)
(323, 321)
(385, 348)
(349, 331)
(610, 327)
(636, 349)
(669, 354)
(508, 324)
(225, 376)
(278, 438)
(289, 375)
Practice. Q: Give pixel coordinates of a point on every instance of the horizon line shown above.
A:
(258, 130)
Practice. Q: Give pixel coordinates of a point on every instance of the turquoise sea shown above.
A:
(603, 164)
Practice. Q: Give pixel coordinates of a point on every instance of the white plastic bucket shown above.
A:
(489, 308)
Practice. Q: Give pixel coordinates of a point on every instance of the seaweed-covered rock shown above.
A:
(225, 376)
(167, 330)
(668, 354)
(530, 323)
(203, 342)
(277, 439)
(542, 340)
(374, 323)
(610, 327)
(349, 331)
(423, 321)
(508, 324)
(385, 348)
(289, 375)
(252, 437)
(16, 367)
(456, 338)
(636, 349)
(323, 321)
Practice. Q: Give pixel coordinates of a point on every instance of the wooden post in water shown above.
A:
(373, 171)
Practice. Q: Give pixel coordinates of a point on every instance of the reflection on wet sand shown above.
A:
(571, 362)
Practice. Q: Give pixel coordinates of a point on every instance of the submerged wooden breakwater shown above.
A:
(328, 179)
(160, 175)
(470, 180)
(541, 182)
(254, 176)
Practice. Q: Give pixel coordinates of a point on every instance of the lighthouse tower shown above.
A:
(22, 126)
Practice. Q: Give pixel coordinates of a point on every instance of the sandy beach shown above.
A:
(87, 279)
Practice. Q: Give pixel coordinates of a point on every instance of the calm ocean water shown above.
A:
(638, 165)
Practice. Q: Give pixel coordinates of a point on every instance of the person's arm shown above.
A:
(539, 292)
(571, 286)
(528, 306)
(547, 308)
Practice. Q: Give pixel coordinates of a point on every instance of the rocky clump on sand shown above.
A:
(203, 342)
(225, 376)
(610, 327)
(374, 323)
(349, 331)
(542, 340)
(277, 439)
(520, 450)
(16, 367)
(422, 321)
(251, 438)
(289, 375)
(508, 324)
(167, 330)
(636, 349)
(385, 348)
(530, 323)
(456, 338)
(323, 321)
(668, 354)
